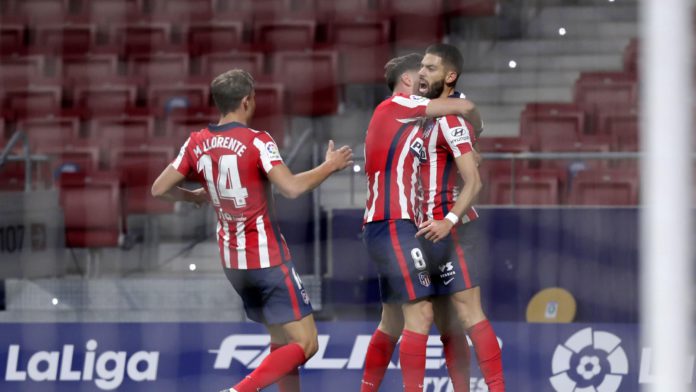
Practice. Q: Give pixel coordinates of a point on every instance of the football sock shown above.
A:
(458, 359)
(291, 381)
(277, 364)
(379, 352)
(488, 355)
(412, 358)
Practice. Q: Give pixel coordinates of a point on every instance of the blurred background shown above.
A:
(97, 96)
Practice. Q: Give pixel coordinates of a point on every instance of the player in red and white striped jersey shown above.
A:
(236, 166)
(449, 158)
(390, 214)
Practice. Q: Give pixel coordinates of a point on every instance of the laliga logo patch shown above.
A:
(589, 361)
(272, 149)
(418, 98)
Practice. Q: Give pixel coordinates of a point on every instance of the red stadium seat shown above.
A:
(531, 187)
(11, 38)
(364, 47)
(125, 130)
(89, 68)
(105, 99)
(159, 67)
(310, 78)
(263, 8)
(67, 38)
(215, 64)
(138, 168)
(111, 11)
(215, 37)
(181, 122)
(142, 38)
(500, 167)
(12, 177)
(472, 8)
(332, 8)
(31, 100)
(285, 34)
(269, 111)
(630, 57)
(21, 70)
(601, 90)
(50, 131)
(179, 94)
(585, 144)
(416, 23)
(604, 188)
(177, 11)
(74, 156)
(551, 123)
(40, 11)
(618, 119)
(93, 211)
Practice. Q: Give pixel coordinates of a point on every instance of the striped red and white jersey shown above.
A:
(442, 140)
(390, 166)
(232, 162)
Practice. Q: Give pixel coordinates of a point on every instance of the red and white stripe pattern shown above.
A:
(446, 139)
(232, 162)
(391, 167)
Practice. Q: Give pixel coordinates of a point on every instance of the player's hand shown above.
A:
(339, 159)
(434, 230)
(199, 197)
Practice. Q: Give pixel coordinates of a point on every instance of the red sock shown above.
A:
(412, 357)
(379, 352)
(488, 355)
(277, 364)
(458, 359)
(291, 381)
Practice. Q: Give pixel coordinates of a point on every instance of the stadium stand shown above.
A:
(50, 131)
(290, 34)
(105, 99)
(605, 187)
(311, 79)
(161, 67)
(530, 187)
(67, 39)
(551, 123)
(88, 68)
(215, 64)
(214, 37)
(11, 38)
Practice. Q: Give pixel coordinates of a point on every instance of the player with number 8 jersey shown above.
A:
(248, 233)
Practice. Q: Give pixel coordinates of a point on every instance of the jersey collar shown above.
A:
(225, 127)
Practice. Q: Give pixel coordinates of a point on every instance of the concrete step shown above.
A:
(603, 3)
(547, 46)
(509, 128)
(516, 78)
(520, 95)
(607, 12)
(510, 112)
(575, 63)
(574, 29)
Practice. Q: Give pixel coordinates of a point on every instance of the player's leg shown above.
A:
(291, 381)
(418, 318)
(381, 347)
(466, 305)
(454, 343)
(287, 313)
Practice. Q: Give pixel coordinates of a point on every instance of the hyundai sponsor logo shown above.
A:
(106, 369)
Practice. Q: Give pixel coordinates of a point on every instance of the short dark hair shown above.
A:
(398, 65)
(229, 88)
(450, 55)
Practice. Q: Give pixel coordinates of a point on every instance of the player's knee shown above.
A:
(468, 309)
(419, 316)
(310, 345)
(392, 321)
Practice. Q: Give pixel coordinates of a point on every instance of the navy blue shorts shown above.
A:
(454, 259)
(404, 274)
(272, 295)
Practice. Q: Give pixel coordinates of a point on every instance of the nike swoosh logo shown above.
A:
(448, 281)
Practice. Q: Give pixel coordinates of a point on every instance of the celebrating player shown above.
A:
(389, 232)
(236, 166)
(451, 226)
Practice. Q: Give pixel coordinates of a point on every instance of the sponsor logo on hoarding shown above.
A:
(107, 369)
(589, 361)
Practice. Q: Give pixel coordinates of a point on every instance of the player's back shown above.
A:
(231, 161)
(390, 167)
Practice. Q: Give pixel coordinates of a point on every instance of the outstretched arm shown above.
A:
(293, 185)
(462, 107)
(165, 188)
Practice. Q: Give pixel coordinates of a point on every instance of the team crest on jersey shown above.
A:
(273, 153)
(418, 150)
(424, 279)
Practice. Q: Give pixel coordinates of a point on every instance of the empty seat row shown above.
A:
(549, 187)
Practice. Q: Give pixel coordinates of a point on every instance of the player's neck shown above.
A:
(446, 92)
(401, 89)
(233, 117)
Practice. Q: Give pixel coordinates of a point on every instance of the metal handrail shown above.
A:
(26, 157)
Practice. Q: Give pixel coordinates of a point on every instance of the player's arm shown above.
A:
(293, 185)
(463, 107)
(435, 230)
(165, 188)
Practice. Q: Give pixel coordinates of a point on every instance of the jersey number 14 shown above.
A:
(228, 184)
